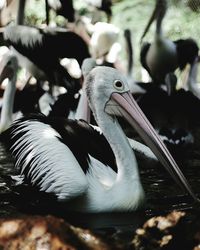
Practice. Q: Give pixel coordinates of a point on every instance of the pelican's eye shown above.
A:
(118, 85)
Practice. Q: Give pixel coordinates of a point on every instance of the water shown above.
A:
(162, 193)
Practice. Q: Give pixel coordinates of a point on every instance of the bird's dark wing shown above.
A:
(66, 44)
(45, 161)
(53, 155)
(89, 141)
(45, 44)
(64, 104)
(28, 41)
(187, 51)
(26, 100)
(45, 48)
(82, 139)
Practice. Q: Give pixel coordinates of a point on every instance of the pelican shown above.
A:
(25, 101)
(8, 70)
(15, 102)
(89, 171)
(66, 105)
(83, 110)
(134, 86)
(164, 56)
(40, 51)
(171, 115)
(104, 37)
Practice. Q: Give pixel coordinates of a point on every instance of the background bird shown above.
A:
(8, 70)
(40, 51)
(164, 56)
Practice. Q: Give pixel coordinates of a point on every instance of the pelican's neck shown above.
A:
(8, 102)
(20, 12)
(125, 158)
(162, 6)
(159, 26)
(83, 109)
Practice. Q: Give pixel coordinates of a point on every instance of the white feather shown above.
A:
(53, 165)
(28, 40)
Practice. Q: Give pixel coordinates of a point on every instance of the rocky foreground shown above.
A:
(177, 230)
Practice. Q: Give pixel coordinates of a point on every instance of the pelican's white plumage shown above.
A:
(40, 142)
(93, 172)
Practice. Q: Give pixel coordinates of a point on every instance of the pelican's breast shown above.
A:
(162, 57)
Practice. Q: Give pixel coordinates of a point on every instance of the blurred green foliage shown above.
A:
(35, 12)
(179, 22)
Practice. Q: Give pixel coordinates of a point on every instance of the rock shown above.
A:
(177, 230)
(45, 233)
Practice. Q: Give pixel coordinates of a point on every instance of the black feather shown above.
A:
(82, 139)
(187, 51)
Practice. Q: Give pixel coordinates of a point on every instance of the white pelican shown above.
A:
(164, 56)
(31, 100)
(92, 172)
(15, 102)
(8, 69)
(40, 51)
(64, 106)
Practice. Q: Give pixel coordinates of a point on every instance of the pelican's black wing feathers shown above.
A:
(187, 51)
(46, 43)
(82, 139)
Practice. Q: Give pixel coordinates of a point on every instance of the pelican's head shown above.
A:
(100, 83)
(108, 92)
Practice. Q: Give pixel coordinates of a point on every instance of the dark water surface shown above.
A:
(162, 193)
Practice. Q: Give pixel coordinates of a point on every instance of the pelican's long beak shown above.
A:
(130, 110)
